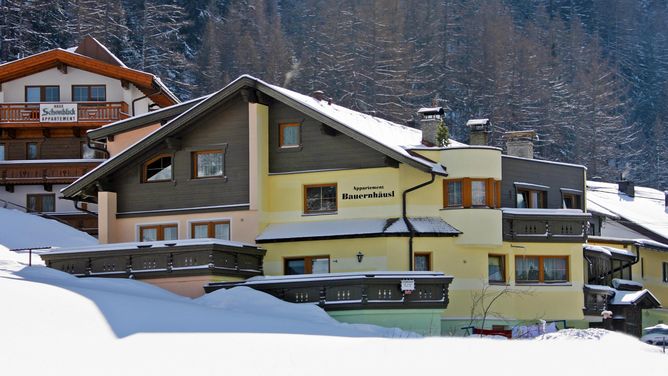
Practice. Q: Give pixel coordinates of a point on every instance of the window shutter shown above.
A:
(498, 193)
(466, 192)
(445, 193)
(489, 193)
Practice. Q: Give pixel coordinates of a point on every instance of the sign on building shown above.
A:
(57, 112)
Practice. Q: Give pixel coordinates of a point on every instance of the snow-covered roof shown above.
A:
(19, 230)
(646, 209)
(148, 245)
(430, 110)
(354, 228)
(600, 288)
(631, 297)
(619, 283)
(477, 122)
(609, 251)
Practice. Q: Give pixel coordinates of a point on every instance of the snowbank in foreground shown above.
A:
(52, 323)
(22, 230)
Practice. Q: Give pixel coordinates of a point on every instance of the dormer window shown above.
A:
(158, 169)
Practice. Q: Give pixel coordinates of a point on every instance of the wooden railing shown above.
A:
(52, 172)
(542, 227)
(87, 112)
(353, 291)
(147, 261)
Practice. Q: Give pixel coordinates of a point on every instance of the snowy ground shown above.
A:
(54, 324)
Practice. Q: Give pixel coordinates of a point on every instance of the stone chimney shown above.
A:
(627, 187)
(318, 94)
(479, 130)
(429, 119)
(520, 143)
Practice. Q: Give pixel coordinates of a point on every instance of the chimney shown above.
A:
(479, 131)
(430, 118)
(318, 94)
(627, 187)
(520, 143)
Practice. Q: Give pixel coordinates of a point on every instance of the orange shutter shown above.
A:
(498, 193)
(445, 193)
(489, 193)
(466, 193)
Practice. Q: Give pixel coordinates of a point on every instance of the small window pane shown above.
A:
(422, 263)
(222, 231)
(80, 93)
(321, 199)
(209, 164)
(526, 269)
(149, 234)
(455, 193)
(98, 94)
(48, 203)
(522, 199)
(295, 267)
(2, 152)
(665, 271)
(496, 268)
(31, 203)
(170, 233)
(200, 231)
(160, 169)
(320, 265)
(554, 269)
(52, 94)
(478, 197)
(33, 94)
(31, 150)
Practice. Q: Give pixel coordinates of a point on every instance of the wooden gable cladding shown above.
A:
(60, 58)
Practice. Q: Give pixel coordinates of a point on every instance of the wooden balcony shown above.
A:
(52, 171)
(89, 114)
(344, 291)
(597, 299)
(159, 259)
(545, 225)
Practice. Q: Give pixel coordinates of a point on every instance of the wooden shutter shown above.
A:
(489, 193)
(445, 193)
(466, 193)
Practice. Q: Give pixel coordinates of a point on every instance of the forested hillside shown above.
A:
(590, 76)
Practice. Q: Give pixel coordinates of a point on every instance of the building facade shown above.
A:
(47, 103)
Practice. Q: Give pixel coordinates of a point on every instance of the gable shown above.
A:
(224, 128)
(321, 147)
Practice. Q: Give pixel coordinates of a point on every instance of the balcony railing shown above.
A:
(545, 225)
(343, 291)
(95, 113)
(51, 171)
(159, 259)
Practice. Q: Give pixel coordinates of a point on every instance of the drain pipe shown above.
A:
(90, 144)
(411, 230)
(144, 97)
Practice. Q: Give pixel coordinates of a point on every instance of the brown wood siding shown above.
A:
(227, 125)
(555, 176)
(48, 148)
(319, 149)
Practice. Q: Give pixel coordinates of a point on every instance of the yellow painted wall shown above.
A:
(468, 265)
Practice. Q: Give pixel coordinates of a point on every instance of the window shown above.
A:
(320, 198)
(32, 151)
(665, 272)
(496, 265)
(289, 135)
(467, 192)
(151, 233)
(531, 198)
(42, 93)
(621, 269)
(217, 230)
(422, 262)
(2, 152)
(89, 153)
(307, 265)
(158, 169)
(40, 203)
(541, 269)
(89, 93)
(208, 164)
(571, 201)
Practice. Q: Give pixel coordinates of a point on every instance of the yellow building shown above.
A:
(325, 189)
